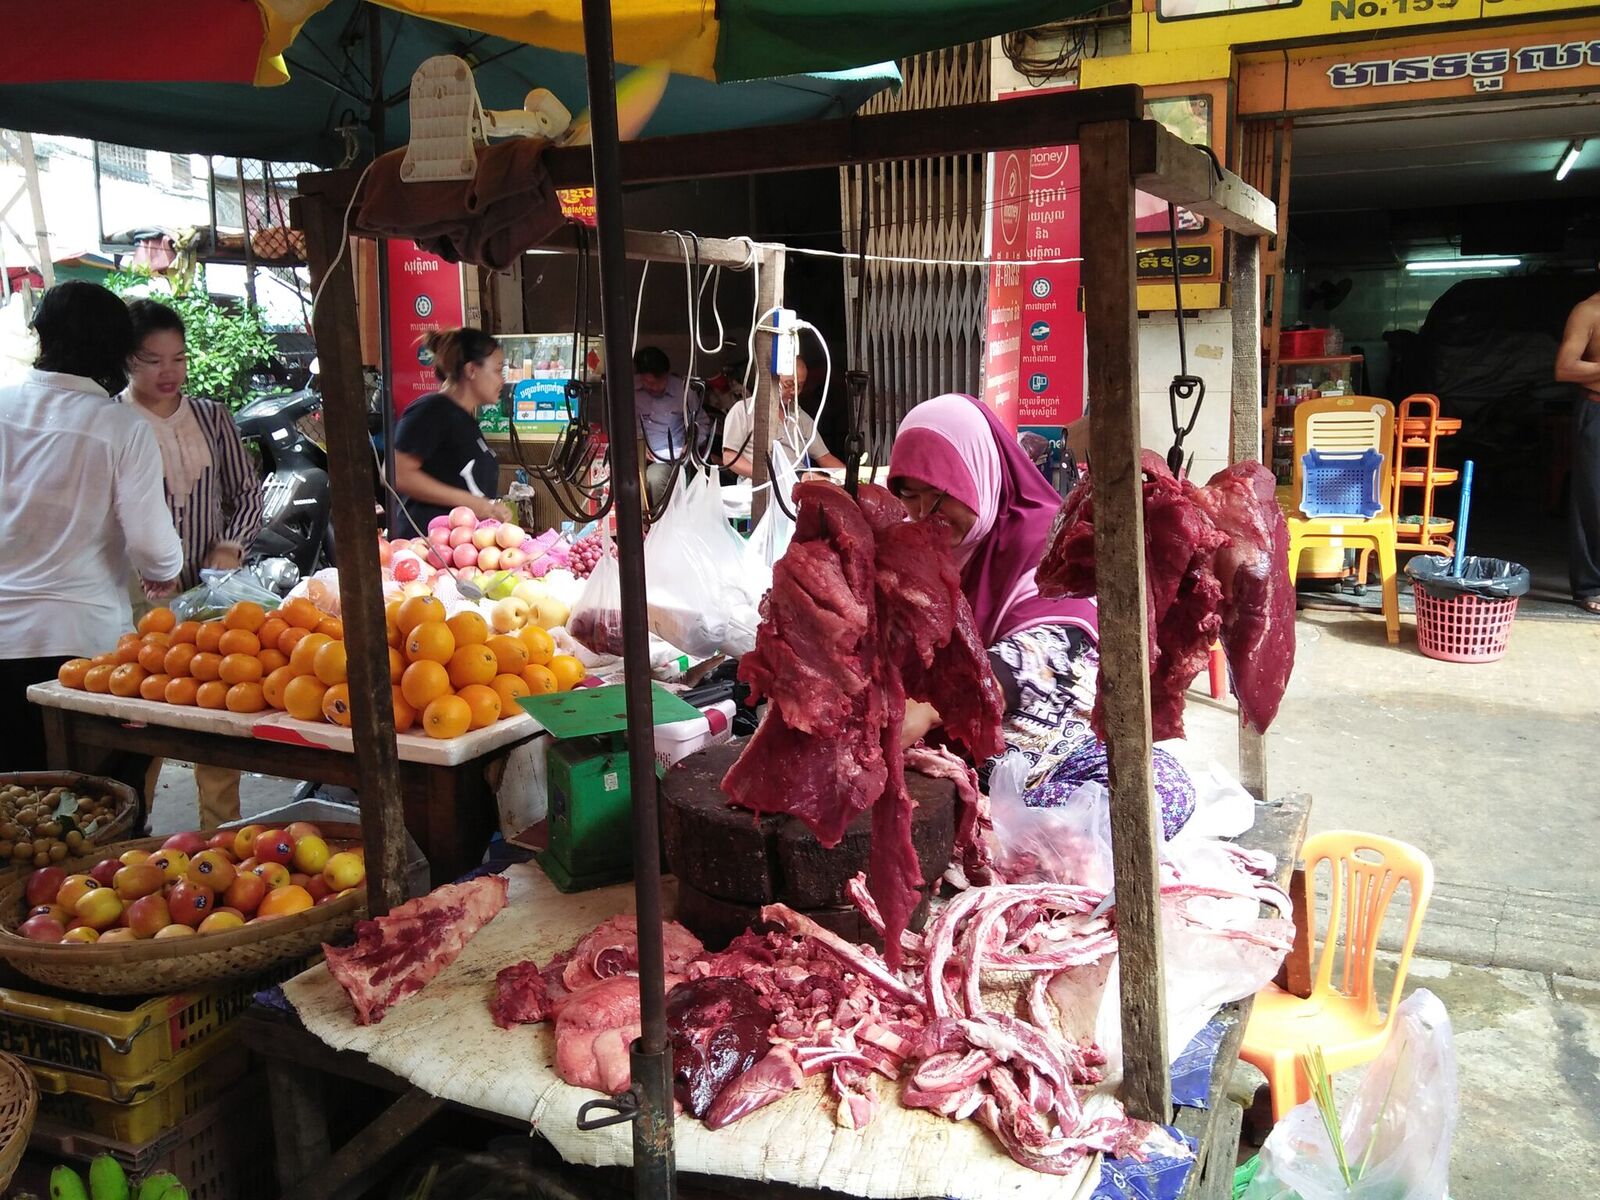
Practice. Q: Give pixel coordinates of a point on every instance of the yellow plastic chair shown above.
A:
(1347, 424)
(1343, 1020)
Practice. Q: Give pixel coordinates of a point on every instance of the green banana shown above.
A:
(65, 1185)
(107, 1179)
(159, 1186)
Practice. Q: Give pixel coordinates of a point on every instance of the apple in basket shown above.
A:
(510, 536)
(43, 885)
(42, 929)
(190, 843)
(104, 872)
(464, 555)
(442, 521)
(460, 535)
(483, 535)
(461, 515)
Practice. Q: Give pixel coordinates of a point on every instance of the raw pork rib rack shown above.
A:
(865, 611)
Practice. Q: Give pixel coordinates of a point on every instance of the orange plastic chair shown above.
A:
(1344, 1021)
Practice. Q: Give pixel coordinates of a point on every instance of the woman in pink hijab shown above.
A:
(952, 456)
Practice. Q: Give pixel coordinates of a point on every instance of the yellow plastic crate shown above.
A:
(122, 1044)
(143, 1109)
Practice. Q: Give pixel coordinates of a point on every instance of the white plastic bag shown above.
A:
(773, 532)
(1069, 844)
(596, 619)
(1397, 1130)
(704, 584)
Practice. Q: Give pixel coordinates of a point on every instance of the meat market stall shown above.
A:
(1120, 152)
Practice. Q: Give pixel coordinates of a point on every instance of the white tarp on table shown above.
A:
(443, 1041)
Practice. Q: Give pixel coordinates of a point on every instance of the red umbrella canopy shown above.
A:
(199, 41)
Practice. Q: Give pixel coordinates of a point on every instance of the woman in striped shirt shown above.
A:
(212, 489)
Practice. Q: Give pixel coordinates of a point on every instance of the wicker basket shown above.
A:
(19, 1103)
(169, 965)
(127, 798)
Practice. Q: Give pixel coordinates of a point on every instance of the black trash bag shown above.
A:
(1492, 578)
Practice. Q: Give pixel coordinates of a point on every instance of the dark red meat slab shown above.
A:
(718, 1028)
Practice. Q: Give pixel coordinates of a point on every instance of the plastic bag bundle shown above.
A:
(596, 619)
(217, 592)
(1397, 1130)
(704, 582)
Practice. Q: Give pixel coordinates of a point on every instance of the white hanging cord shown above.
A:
(344, 241)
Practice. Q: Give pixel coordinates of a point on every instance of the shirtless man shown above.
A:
(1578, 361)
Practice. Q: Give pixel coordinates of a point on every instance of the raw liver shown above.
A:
(735, 855)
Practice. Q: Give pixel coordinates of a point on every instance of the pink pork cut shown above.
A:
(395, 955)
(526, 993)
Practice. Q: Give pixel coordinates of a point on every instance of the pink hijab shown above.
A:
(956, 444)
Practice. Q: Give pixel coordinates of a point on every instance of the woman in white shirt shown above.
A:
(80, 499)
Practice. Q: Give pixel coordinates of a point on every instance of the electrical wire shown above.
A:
(344, 240)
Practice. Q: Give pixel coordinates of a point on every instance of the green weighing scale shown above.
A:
(587, 780)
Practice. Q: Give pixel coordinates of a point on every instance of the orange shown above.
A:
(125, 680)
(333, 627)
(423, 683)
(541, 681)
(182, 690)
(396, 638)
(212, 694)
(246, 616)
(209, 638)
(541, 646)
(246, 698)
(128, 647)
(290, 638)
(484, 702)
(240, 668)
(301, 613)
(238, 641)
(285, 901)
(303, 658)
(104, 660)
(302, 697)
(72, 672)
(569, 672)
(404, 715)
(330, 664)
(154, 687)
(447, 717)
(158, 620)
(272, 659)
(508, 688)
(431, 640)
(273, 686)
(271, 630)
(152, 655)
(336, 704)
(185, 632)
(468, 628)
(510, 653)
(391, 609)
(157, 639)
(179, 660)
(206, 666)
(397, 665)
(470, 664)
(416, 610)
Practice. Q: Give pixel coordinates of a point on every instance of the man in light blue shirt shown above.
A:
(658, 402)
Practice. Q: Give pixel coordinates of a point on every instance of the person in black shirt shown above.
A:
(440, 458)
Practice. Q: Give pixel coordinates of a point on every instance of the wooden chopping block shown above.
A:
(717, 922)
(732, 854)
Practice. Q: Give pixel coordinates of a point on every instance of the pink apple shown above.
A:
(407, 567)
(466, 574)
(439, 536)
(510, 560)
(189, 842)
(483, 537)
(489, 558)
(464, 555)
(508, 536)
(462, 516)
(461, 535)
(442, 521)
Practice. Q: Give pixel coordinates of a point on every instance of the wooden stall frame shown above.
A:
(1122, 152)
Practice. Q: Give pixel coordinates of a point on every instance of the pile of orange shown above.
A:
(451, 676)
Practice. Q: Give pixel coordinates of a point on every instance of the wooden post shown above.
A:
(1111, 320)
(1245, 439)
(320, 209)
(769, 296)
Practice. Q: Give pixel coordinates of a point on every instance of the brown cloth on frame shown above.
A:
(507, 207)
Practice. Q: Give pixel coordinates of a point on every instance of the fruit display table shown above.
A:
(445, 785)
